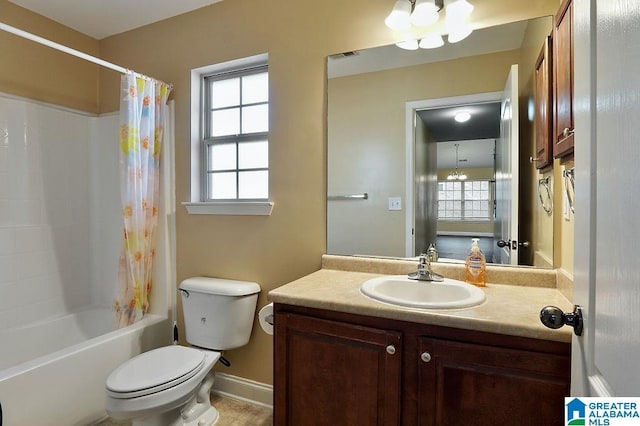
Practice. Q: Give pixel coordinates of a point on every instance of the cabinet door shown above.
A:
(543, 107)
(333, 373)
(563, 81)
(471, 384)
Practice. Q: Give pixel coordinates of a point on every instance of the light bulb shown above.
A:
(462, 116)
(410, 44)
(431, 41)
(400, 17)
(425, 13)
(459, 9)
(458, 31)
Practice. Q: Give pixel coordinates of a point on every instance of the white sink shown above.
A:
(400, 290)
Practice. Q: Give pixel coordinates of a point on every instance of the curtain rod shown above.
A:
(73, 52)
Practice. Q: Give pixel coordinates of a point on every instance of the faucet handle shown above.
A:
(424, 264)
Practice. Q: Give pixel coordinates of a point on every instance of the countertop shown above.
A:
(508, 309)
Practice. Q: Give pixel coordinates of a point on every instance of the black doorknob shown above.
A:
(503, 243)
(554, 317)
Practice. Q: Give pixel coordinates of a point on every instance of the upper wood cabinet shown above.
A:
(563, 81)
(543, 94)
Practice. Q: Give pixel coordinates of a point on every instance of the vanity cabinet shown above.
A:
(543, 95)
(475, 384)
(335, 368)
(335, 373)
(563, 81)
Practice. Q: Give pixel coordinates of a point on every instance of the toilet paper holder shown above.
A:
(269, 318)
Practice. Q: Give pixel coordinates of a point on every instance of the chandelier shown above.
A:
(408, 15)
(457, 174)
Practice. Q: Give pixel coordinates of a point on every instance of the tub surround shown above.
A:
(514, 296)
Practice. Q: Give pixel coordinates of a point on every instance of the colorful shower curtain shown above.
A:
(142, 112)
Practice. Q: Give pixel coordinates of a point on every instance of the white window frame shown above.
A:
(198, 203)
(489, 216)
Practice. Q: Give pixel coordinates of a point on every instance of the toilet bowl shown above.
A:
(170, 386)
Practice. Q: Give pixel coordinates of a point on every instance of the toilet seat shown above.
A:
(154, 371)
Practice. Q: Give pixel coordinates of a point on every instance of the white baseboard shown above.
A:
(243, 389)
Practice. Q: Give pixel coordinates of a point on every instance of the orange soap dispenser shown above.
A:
(475, 265)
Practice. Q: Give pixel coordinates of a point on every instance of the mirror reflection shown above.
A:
(397, 156)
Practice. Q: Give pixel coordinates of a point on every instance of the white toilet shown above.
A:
(170, 386)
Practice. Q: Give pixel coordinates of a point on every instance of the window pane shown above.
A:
(225, 93)
(255, 119)
(255, 88)
(222, 186)
(253, 155)
(254, 184)
(222, 157)
(225, 122)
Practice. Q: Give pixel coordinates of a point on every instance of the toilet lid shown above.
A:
(163, 367)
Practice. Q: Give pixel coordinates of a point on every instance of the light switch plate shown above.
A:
(395, 203)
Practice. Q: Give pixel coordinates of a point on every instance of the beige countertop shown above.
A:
(508, 309)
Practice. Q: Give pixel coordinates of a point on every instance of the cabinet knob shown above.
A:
(425, 356)
(391, 349)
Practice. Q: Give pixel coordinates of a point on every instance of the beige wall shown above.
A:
(33, 71)
(298, 37)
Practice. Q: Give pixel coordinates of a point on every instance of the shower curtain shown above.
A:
(142, 114)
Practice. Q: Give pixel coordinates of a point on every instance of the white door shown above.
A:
(506, 195)
(607, 235)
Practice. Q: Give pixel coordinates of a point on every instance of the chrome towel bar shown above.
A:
(364, 196)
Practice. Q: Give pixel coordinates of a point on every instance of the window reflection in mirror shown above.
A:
(372, 147)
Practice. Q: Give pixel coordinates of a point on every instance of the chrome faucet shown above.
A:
(424, 272)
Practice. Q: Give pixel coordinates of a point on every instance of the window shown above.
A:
(464, 200)
(235, 144)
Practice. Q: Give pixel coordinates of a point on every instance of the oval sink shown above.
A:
(400, 290)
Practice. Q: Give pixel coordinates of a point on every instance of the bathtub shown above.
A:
(78, 350)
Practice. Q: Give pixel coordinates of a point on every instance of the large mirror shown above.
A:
(397, 155)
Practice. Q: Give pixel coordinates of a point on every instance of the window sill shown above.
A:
(240, 208)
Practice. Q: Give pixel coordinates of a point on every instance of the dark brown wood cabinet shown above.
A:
(563, 81)
(333, 373)
(543, 94)
(473, 384)
(337, 369)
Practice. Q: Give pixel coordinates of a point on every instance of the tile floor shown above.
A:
(232, 413)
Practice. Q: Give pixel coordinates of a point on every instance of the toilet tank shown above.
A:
(218, 314)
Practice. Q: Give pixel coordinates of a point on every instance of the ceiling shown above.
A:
(483, 124)
(476, 136)
(103, 18)
(482, 41)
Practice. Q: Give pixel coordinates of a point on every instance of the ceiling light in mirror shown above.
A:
(458, 31)
(431, 41)
(399, 18)
(457, 174)
(462, 116)
(410, 44)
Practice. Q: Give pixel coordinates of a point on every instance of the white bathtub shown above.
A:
(53, 372)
